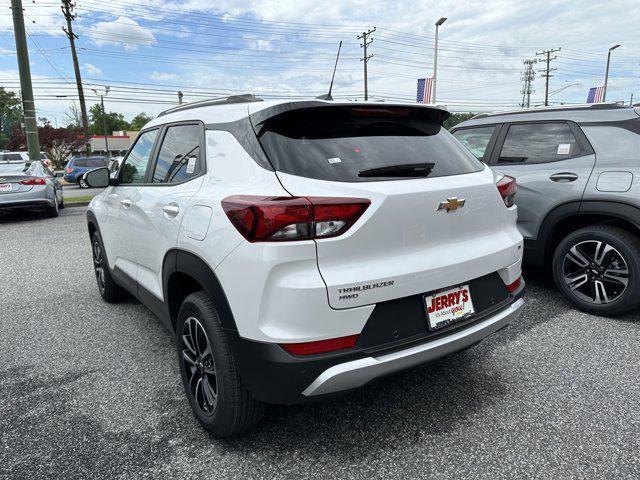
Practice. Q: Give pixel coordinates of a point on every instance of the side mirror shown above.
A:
(98, 178)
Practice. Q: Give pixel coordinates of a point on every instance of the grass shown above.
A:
(84, 198)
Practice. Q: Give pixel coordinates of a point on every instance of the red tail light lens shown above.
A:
(512, 287)
(508, 187)
(282, 219)
(69, 169)
(322, 346)
(34, 181)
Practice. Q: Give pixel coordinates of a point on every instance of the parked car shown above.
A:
(579, 197)
(29, 185)
(78, 166)
(303, 249)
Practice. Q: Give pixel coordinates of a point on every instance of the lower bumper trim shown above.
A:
(357, 373)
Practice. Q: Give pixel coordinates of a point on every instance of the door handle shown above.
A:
(564, 177)
(126, 203)
(171, 209)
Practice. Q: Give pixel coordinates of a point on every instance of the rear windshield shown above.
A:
(9, 168)
(339, 143)
(93, 162)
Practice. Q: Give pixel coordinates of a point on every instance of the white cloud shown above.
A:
(92, 70)
(5, 51)
(122, 31)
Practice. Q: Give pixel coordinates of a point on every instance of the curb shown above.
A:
(76, 204)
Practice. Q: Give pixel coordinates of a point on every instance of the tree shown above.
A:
(57, 143)
(140, 121)
(72, 116)
(457, 118)
(112, 120)
(10, 114)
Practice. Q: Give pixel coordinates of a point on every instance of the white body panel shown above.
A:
(403, 245)
(156, 215)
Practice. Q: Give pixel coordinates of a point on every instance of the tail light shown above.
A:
(69, 169)
(508, 187)
(284, 219)
(34, 181)
(322, 346)
(512, 287)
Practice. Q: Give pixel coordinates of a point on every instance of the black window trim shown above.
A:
(162, 131)
(585, 147)
(492, 141)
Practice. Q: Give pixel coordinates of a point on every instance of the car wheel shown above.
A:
(598, 269)
(218, 398)
(52, 211)
(109, 290)
(82, 183)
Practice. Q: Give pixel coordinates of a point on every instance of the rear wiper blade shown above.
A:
(406, 170)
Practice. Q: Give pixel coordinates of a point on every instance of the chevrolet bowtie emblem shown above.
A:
(452, 204)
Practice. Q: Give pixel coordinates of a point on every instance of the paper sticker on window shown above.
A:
(191, 165)
(334, 160)
(564, 149)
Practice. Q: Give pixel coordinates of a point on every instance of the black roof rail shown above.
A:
(244, 98)
(562, 108)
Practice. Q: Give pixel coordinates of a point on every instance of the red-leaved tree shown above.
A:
(57, 143)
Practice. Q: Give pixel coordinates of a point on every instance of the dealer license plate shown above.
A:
(5, 187)
(448, 306)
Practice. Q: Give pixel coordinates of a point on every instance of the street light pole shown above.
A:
(435, 57)
(606, 73)
(104, 120)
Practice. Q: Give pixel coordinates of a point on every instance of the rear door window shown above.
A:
(476, 139)
(338, 143)
(135, 165)
(539, 143)
(179, 155)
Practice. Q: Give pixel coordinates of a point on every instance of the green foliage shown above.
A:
(457, 118)
(140, 121)
(10, 113)
(112, 120)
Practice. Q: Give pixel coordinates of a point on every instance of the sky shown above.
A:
(146, 52)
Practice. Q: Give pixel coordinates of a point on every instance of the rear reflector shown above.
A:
(508, 187)
(33, 181)
(512, 287)
(321, 346)
(284, 219)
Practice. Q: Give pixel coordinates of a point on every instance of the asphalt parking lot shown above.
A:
(71, 191)
(93, 390)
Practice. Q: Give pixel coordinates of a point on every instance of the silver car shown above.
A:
(29, 185)
(578, 174)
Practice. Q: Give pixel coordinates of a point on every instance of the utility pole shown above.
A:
(104, 118)
(435, 57)
(527, 77)
(365, 43)
(67, 11)
(180, 97)
(547, 71)
(26, 89)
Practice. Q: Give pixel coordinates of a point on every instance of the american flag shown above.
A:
(595, 95)
(425, 89)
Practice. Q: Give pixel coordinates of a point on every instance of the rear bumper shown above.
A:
(274, 376)
(360, 372)
(31, 199)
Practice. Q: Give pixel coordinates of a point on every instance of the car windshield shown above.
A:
(92, 162)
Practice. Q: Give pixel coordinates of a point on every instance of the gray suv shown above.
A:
(578, 172)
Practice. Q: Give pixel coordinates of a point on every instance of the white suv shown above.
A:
(303, 249)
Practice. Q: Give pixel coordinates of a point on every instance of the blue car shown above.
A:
(78, 166)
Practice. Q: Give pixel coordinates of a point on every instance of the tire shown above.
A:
(52, 212)
(598, 269)
(219, 400)
(109, 290)
(82, 183)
